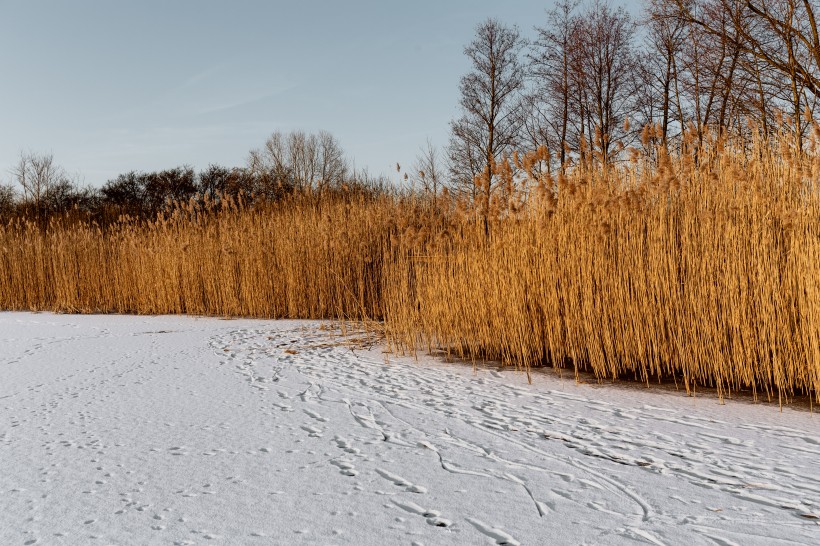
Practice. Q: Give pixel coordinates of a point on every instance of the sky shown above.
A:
(111, 86)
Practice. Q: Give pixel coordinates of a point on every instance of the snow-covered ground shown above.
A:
(180, 430)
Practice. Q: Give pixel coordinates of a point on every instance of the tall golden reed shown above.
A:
(701, 268)
(301, 258)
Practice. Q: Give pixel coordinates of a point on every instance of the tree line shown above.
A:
(597, 84)
(287, 163)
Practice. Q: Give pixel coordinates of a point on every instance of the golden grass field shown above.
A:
(702, 269)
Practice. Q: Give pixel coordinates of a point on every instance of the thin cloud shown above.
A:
(244, 101)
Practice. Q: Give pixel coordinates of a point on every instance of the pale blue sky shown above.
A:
(113, 86)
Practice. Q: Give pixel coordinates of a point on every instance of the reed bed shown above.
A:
(702, 268)
(300, 258)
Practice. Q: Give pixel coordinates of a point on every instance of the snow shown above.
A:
(183, 430)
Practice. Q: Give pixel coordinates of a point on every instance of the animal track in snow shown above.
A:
(400, 482)
(432, 517)
(346, 468)
(312, 431)
(158, 421)
(345, 445)
(498, 535)
(314, 415)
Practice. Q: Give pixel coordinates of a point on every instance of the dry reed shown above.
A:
(701, 268)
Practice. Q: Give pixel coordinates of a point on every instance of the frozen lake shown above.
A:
(182, 430)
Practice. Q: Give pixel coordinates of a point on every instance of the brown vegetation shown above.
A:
(702, 267)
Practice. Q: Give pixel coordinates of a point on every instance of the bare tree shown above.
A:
(39, 176)
(491, 120)
(663, 44)
(780, 35)
(332, 165)
(428, 169)
(550, 61)
(605, 64)
(301, 160)
(795, 49)
(465, 159)
(273, 159)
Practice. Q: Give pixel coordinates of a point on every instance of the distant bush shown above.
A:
(146, 194)
(7, 200)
